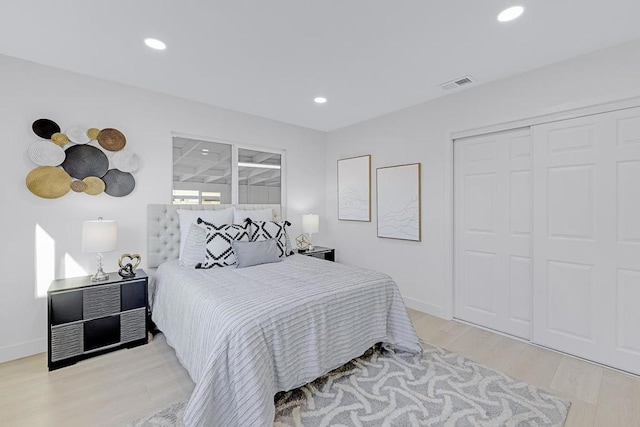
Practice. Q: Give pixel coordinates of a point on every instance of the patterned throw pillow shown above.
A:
(190, 216)
(219, 251)
(264, 230)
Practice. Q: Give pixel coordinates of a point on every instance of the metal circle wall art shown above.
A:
(94, 186)
(78, 186)
(44, 153)
(60, 139)
(48, 182)
(118, 183)
(77, 135)
(112, 139)
(45, 128)
(93, 133)
(78, 160)
(125, 160)
(85, 160)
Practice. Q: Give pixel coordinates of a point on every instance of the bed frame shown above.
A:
(163, 229)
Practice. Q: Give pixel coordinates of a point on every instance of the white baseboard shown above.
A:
(18, 351)
(425, 307)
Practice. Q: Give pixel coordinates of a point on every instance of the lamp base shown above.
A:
(99, 276)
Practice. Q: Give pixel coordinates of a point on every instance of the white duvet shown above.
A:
(246, 333)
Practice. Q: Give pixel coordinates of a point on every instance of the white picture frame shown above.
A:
(354, 189)
(398, 202)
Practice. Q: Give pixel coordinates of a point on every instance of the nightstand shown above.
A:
(89, 318)
(321, 252)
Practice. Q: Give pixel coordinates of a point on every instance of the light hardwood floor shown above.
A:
(113, 389)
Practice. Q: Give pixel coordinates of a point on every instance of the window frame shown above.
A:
(235, 146)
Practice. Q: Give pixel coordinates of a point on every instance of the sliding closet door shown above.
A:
(492, 209)
(587, 237)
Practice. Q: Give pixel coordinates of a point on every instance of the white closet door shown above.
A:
(492, 209)
(587, 237)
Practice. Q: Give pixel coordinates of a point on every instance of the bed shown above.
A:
(244, 334)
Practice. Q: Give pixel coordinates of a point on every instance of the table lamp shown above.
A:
(310, 225)
(99, 236)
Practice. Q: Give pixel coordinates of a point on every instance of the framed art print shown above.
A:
(354, 189)
(398, 199)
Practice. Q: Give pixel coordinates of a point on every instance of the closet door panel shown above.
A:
(624, 342)
(564, 240)
(478, 222)
(586, 237)
(482, 276)
(520, 275)
(628, 315)
(574, 282)
(628, 221)
(480, 203)
(493, 231)
(520, 205)
(570, 202)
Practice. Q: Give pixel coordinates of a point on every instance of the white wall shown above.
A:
(422, 134)
(29, 91)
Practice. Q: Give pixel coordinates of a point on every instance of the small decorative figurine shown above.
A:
(128, 269)
(303, 243)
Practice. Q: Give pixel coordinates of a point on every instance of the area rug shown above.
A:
(382, 388)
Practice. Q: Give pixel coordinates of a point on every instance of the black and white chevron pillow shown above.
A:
(219, 252)
(265, 230)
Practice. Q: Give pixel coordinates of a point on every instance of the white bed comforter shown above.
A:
(245, 334)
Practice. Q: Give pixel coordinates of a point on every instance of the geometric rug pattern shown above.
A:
(382, 388)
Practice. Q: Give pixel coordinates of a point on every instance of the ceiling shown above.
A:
(271, 58)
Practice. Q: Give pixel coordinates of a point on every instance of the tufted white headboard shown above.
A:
(163, 229)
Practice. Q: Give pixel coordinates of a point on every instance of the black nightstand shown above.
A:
(90, 318)
(321, 252)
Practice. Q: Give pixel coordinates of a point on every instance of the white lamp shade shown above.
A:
(310, 223)
(99, 236)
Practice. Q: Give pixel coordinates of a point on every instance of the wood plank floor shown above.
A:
(113, 389)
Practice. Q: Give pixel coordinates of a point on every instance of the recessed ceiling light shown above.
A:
(510, 13)
(319, 100)
(155, 44)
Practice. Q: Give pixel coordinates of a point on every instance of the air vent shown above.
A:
(457, 83)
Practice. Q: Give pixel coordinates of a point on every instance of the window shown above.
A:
(186, 197)
(195, 197)
(210, 197)
(209, 172)
(259, 177)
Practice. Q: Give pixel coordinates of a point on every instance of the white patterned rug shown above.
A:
(386, 389)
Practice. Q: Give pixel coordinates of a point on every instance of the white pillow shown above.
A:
(190, 216)
(195, 246)
(239, 216)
